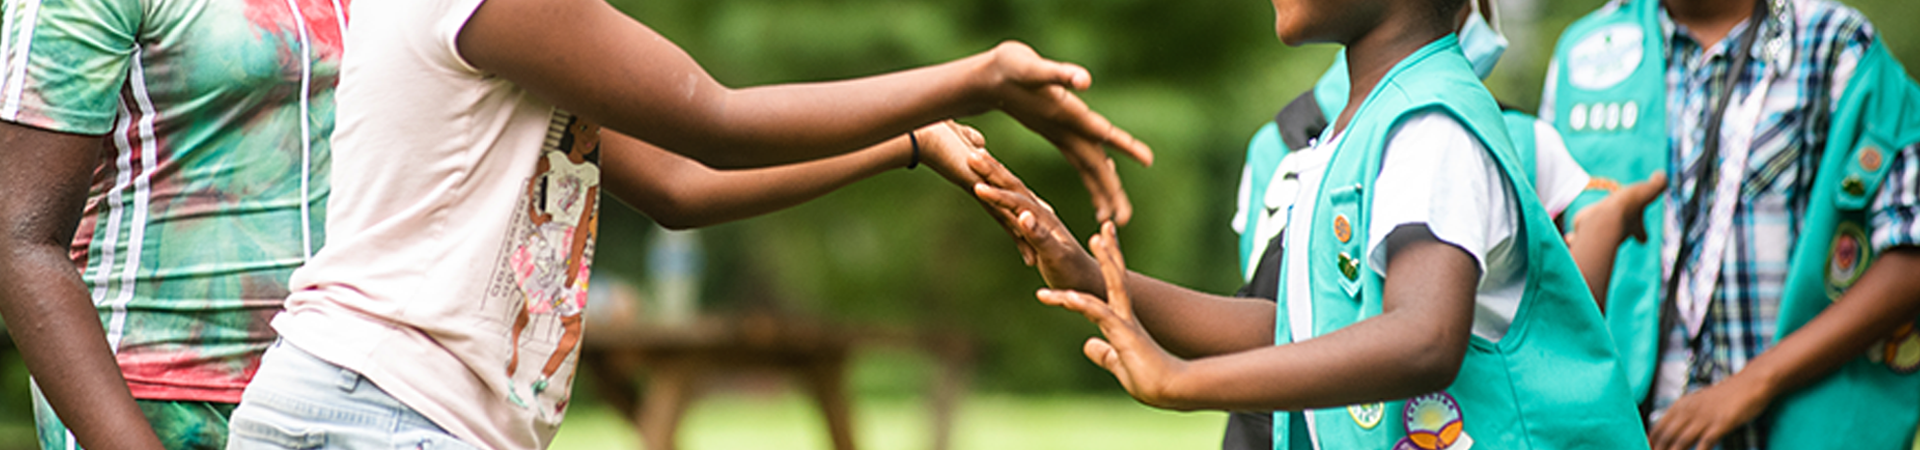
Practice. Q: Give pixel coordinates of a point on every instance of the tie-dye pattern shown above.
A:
(212, 182)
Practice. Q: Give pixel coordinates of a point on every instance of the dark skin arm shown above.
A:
(1601, 228)
(1885, 297)
(679, 192)
(45, 304)
(642, 85)
(1415, 346)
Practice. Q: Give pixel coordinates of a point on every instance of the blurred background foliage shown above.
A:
(906, 249)
(1192, 79)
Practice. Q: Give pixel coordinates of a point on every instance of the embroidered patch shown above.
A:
(1902, 350)
(1606, 57)
(1342, 229)
(1847, 258)
(1853, 185)
(1368, 415)
(1870, 158)
(1349, 266)
(1434, 422)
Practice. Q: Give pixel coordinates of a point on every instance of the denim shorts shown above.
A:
(298, 401)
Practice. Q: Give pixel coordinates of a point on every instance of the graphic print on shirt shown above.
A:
(546, 261)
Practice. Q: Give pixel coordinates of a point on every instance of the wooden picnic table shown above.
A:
(680, 362)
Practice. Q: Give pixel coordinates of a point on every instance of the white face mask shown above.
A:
(1482, 44)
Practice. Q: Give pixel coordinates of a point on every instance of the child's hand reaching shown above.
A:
(1621, 214)
(1600, 229)
(1044, 241)
(945, 147)
(1039, 93)
(1145, 369)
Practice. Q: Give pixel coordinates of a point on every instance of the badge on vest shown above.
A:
(1606, 57)
(1900, 352)
(1434, 422)
(1367, 416)
(1847, 258)
(1604, 116)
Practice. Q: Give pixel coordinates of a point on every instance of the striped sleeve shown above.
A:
(1895, 212)
(63, 62)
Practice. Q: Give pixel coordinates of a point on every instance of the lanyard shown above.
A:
(1696, 289)
(1701, 291)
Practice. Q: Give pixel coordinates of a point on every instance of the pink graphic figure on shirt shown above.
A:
(551, 264)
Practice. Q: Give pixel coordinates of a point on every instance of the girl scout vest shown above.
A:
(1266, 149)
(1550, 383)
(1610, 96)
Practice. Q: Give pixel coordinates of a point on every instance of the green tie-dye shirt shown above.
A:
(212, 182)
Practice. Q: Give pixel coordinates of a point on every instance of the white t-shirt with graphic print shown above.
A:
(460, 234)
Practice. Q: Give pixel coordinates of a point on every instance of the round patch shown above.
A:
(1433, 421)
(1903, 350)
(1577, 116)
(1342, 229)
(1605, 57)
(1870, 158)
(1368, 415)
(1847, 258)
(1629, 114)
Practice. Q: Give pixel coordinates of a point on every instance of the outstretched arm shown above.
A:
(45, 304)
(1188, 322)
(679, 192)
(645, 86)
(1415, 346)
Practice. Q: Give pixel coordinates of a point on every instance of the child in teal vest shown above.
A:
(1426, 300)
(1789, 320)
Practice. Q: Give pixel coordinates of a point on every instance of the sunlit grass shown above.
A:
(735, 420)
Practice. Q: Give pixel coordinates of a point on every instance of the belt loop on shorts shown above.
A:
(348, 380)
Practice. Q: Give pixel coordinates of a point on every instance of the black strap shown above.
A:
(1706, 178)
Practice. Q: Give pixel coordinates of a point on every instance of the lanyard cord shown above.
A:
(1689, 212)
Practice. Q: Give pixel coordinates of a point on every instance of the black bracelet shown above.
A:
(915, 140)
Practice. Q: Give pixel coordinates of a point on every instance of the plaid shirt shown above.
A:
(1824, 41)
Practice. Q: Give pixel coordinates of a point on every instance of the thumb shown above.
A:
(1102, 354)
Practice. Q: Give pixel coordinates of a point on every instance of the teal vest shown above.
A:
(1614, 58)
(1266, 149)
(1550, 383)
(1873, 400)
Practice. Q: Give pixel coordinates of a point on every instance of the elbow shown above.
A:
(675, 212)
(1433, 364)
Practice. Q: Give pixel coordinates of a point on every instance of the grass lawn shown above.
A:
(788, 420)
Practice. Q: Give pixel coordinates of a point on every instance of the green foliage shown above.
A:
(1193, 80)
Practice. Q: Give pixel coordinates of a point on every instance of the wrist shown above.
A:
(982, 78)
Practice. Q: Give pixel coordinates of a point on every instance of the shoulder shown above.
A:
(1833, 33)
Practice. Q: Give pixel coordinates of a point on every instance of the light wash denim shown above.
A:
(298, 401)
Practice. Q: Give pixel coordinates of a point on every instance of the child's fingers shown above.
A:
(1086, 304)
(971, 136)
(1103, 355)
(1113, 270)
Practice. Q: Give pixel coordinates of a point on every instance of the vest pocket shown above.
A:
(1345, 236)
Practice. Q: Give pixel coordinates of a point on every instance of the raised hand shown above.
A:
(1039, 94)
(1045, 243)
(1145, 369)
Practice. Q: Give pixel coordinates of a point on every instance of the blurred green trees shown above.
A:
(1192, 79)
